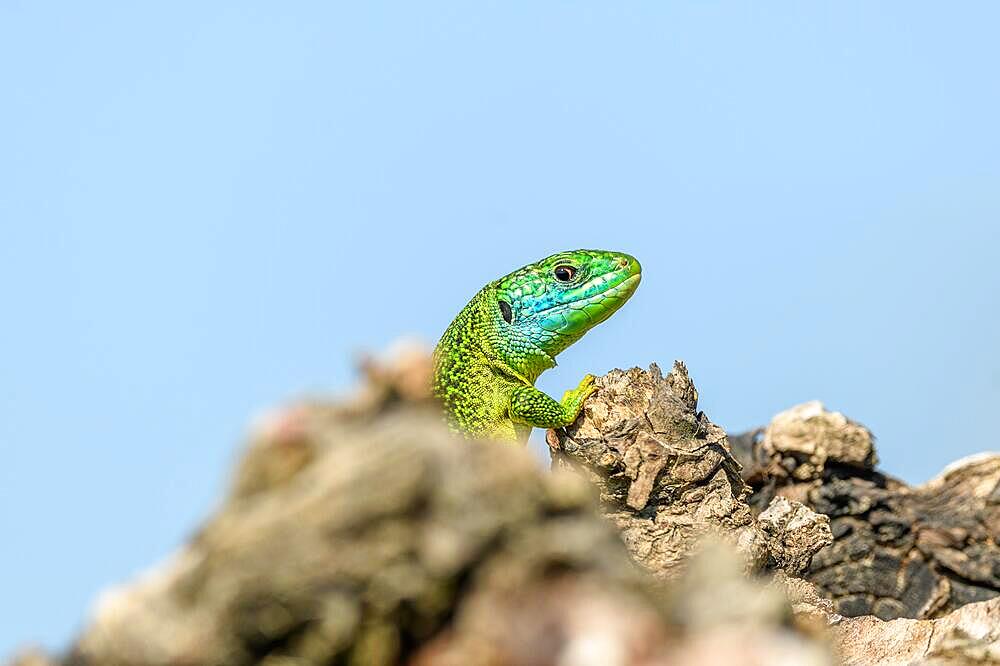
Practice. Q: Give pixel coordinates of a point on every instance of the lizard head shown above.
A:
(548, 305)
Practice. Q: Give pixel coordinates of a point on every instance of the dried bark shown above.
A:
(370, 551)
(915, 552)
(666, 476)
(968, 635)
(359, 532)
(362, 533)
(366, 553)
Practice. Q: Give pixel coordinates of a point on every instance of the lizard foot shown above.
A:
(573, 399)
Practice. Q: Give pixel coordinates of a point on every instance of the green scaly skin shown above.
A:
(486, 363)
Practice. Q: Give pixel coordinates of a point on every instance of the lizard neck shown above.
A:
(479, 340)
(507, 348)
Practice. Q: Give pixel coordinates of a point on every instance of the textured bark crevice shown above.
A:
(667, 478)
(898, 551)
(368, 554)
(360, 532)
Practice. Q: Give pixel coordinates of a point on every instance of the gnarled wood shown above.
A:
(666, 476)
(898, 551)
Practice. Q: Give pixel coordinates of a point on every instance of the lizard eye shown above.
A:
(505, 312)
(564, 273)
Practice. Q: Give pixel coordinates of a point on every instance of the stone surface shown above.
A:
(801, 440)
(667, 478)
(391, 534)
(899, 551)
(970, 634)
(359, 532)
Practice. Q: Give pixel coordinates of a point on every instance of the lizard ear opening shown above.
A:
(506, 312)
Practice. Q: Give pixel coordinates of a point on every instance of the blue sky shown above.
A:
(208, 208)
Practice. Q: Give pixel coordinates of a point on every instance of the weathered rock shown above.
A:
(729, 618)
(794, 534)
(754, 626)
(970, 634)
(799, 442)
(369, 552)
(666, 476)
(361, 533)
(898, 551)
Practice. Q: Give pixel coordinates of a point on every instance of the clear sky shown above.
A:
(208, 208)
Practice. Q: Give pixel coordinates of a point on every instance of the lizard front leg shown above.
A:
(530, 406)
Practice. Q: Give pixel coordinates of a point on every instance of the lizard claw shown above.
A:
(574, 398)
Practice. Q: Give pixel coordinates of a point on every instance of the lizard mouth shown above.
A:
(598, 299)
(618, 284)
(610, 300)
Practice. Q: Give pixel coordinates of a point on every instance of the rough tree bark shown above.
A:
(899, 551)
(383, 548)
(667, 478)
(361, 533)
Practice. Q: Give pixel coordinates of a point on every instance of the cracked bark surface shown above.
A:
(898, 551)
(359, 532)
(363, 533)
(384, 548)
(666, 476)
(968, 635)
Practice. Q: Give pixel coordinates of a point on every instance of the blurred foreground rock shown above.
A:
(359, 532)
(392, 535)
(917, 552)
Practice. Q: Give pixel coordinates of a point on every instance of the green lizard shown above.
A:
(486, 363)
